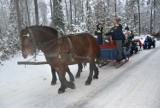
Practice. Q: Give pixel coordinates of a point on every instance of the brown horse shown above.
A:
(61, 52)
(32, 49)
(54, 78)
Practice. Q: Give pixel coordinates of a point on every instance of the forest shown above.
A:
(73, 16)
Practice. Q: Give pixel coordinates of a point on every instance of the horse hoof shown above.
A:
(61, 90)
(53, 83)
(77, 76)
(73, 86)
(95, 77)
(72, 80)
(88, 83)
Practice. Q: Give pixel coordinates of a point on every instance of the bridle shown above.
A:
(35, 44)
(30, 34)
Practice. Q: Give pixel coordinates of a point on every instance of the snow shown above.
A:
(134, 85)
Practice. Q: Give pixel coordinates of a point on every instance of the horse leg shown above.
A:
(54, 78)
(70, 75)
(63, 86)
(89, 80)
(80, 67)
(64, 82)
(96, 72)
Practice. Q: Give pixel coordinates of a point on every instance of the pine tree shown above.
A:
(100, 11)
(13, 25)
(43, 12)
(58, 16)
(90, 22)
(11, 44)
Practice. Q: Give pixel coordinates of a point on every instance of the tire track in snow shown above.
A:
(83, 101)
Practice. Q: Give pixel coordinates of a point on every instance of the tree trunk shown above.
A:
(151, 20)
(108, 11)
(18, 15)
(75, 12)
(87, 5)
(58, 16)
(53, 12)
(154, 13)
(3, 14)
(82, 11)
(51, 7)
(115, 8)
(28, 13)
(67, 14)
(0, 34)
(36, 12)
(108, 4)
(127, 13)
(71, 12)
(139, 16)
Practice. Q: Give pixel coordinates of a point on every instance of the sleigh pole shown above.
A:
(31, 63)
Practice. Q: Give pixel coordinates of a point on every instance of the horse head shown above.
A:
(26, 43)
(37, 37)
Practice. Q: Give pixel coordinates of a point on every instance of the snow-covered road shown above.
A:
(134, 85)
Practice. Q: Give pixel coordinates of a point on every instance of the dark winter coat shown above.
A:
(131, 37)
(99, 34)
(117, 33)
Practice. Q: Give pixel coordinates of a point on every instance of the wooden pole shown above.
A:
(31, 63)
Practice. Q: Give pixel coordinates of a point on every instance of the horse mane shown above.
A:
(43, 28)
(50, 31)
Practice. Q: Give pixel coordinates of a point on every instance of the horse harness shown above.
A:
(71, 53)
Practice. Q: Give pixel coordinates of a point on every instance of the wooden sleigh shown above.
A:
(109, 53)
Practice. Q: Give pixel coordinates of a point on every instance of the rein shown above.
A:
(59, 41)
(34, 41)
(55, 41)
(71, 50)
(60, 36)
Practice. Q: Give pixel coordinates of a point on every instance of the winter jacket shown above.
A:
(99, 34)
(131, 37)
(117, 33)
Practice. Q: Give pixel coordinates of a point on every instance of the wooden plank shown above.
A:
(31, 63)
